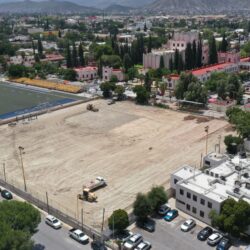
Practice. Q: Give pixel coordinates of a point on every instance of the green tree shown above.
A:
(142, 95)
(119, 90)
(147, 82)
(232, 141)
(183, 83)
(142, 207)
(188, 56)
(81, 55)
(16, 70)
(224, 44)
(213, 56)
(157, 196)
(234, 217)
(118, 221)
(74, 56)
(199, 54)
(133, 73)
(40, 48)
(69, 75)
(196, 93)
(127, 63)
(150, 44)
(162, 64)
(18, 221)
(68, 57)
(107, 88)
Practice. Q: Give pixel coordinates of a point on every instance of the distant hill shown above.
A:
(117, 8)
(51, 6)
(199, 6)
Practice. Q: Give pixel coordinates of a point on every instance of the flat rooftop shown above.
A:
(215, 188)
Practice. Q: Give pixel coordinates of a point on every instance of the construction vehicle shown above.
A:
(92, 108)
(88, 189)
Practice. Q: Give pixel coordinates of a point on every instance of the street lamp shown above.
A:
(21, 152)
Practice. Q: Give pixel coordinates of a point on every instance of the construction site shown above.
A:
(130, 148)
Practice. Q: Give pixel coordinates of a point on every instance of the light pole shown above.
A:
(219, 137)
(4, 173)
(21, 152)
(206, 130)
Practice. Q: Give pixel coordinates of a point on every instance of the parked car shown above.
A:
(124, 235)
(148, 225)
(214, 238)
(145, 245)
(204, 233)
(170, 215)
(188, 225)
(224, 244)
(6, 194)
(133, 241)
(78, 235)
(164, 209)
(97, 245)
(53, 222)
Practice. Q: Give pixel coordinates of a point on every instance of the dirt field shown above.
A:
(133, 147)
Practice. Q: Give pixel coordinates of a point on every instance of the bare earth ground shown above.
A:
(133, 147)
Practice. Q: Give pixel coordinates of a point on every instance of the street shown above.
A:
(168, 236)
(48, 238)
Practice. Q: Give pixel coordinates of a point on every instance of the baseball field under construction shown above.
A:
(133, 147)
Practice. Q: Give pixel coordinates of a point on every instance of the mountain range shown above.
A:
(199, 6)
(154, 6)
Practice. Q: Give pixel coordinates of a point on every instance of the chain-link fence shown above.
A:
(41, 201)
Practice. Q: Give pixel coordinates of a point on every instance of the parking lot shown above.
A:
(169, 236)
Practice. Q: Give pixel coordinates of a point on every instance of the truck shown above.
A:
(88, 189)
(78, 235)
(95, 184)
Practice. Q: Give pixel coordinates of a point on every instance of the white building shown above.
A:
(197, 193)
(86, 73)
(35, 30)
(108, 72)
(27, 61)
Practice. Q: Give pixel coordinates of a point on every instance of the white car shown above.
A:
(214, 238)
(133, 241)
(188, 225)
(145, 245)
(53, 222)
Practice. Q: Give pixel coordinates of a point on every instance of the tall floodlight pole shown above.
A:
(207, 131)
(219, 142)
(4, 173)
(21, 152)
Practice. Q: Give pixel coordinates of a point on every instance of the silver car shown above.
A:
(214, 238)
(53, 222)
(145, 245)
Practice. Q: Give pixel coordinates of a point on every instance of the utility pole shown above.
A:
(77, 198)
(201, 160)
(21, 152)
(82, 218)
(219, 142)
(207, 131)
(47, 200)
(103, 214)
(4, 173)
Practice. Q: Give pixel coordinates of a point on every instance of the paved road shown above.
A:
(168, 236)
(48, 238)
